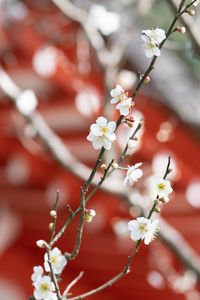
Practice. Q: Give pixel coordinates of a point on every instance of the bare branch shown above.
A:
(55, 217)
(53, 276)
(72, 283)
(80, 227)
(60, 153)
(189, 23)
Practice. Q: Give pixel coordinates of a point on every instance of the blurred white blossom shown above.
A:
(107, 22)
(133, 174)
(196, 2)
(26, 102)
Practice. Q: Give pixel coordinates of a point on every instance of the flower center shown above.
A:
(142, 228)
(161, 186)
(154, 35)
(104, 130)
(53, 259)
(44, 287)
(150, 46)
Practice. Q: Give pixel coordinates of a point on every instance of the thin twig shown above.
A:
(127, 266)
(110, 282)
(73, 283)
(55, 217)
(80, 227)
(189, 23)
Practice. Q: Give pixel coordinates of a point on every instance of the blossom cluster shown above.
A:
(44, 287)
(152, 39)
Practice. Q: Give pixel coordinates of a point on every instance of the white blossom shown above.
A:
(44, 289)
(151, 49)
(133, 174)
(107, 22)
(152, 39)
(120, 97)
(124, 106)
(102, 133)
(26, 102)
(58, 261)
(196, 2)
(132, 144)
(117, 94)
(143, 228)
(37, 273)
(155, 36)
(160, 188)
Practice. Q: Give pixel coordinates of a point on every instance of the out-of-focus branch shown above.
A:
(59, 152)
(189, 23)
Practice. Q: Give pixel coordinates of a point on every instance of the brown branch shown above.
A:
(55, 217)
(110, 282)
(53, 276)
(72, 283)
(189, 23)
(80, 227)
(59, 152)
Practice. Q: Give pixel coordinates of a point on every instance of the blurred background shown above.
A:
(70, 55)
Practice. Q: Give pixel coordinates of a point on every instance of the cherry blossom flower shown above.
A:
(120, 97)
(102, 133)
(160, 188)
(155, 36)
(58, 261)
(133, 174)
(44, 289)
(152, 39)
(37, 273)
(143, 228)
(132, 144)
(151, 49)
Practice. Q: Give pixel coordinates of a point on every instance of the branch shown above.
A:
(53, 276)
(59, 152)
(73, 283)
(191, 26)
(55, 217)
(80, 227)
(110, 282)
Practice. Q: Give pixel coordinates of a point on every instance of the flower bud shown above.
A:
(103, 167)
(53, 213)
(164, 199)
(114, 166)
(50, 226)
(180, 29)
(147, 79)
(41, 243)
(157, 209)
(89, 215)
(132, 144)
(191, 12)
(130, 125)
